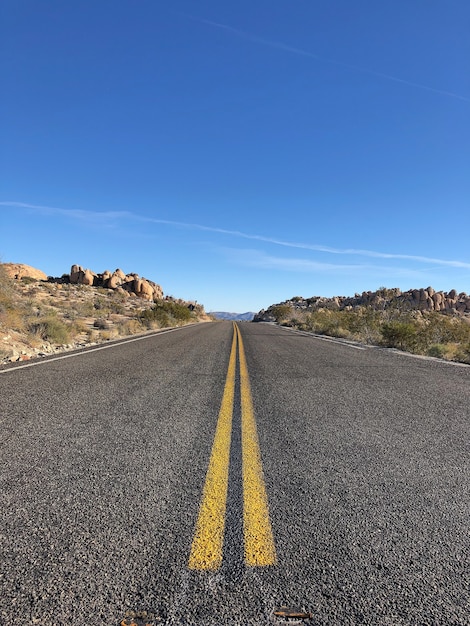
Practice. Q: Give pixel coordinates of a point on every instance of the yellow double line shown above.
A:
(207, 545)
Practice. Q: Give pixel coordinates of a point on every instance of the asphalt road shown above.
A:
(365, 466)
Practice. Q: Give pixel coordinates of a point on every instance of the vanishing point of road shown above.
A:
(212, 474)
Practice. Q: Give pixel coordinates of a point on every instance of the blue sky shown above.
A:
(239, 153)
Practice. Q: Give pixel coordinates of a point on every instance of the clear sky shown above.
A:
(239, 153)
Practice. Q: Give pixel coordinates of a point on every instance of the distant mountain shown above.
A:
(241, 317)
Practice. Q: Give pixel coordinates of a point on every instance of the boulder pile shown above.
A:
(451, 303)
(129, 284)
(420, 299)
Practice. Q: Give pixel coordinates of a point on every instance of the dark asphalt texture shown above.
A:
(365, 456)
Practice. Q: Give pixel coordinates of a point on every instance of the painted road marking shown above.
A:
(259, 541)
(207, 546)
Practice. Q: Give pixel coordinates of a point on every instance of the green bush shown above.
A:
(50, 329)
(165, 313)
(6, 288)
(428, 333)
(437, 350)
(400, 335)
(281, 312)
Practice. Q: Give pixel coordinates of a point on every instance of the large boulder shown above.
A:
(88, 278)
(120, 274)
(79, 276)
(20, 270)
(75, 272)
(143, 289)
(113, 282)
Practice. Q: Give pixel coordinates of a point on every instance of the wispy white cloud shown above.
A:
(112, 216)
(257, 259)
(305, 53)
(90, 216)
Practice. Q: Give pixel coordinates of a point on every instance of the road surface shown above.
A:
(214, 473)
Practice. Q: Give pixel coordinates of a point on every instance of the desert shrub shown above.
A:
(130, 327)
(85, 309)
(179, 311)
(437, 350)
(109, 303)
(116, 306)
(156, 317)
(399, 334)
(6, 288)
(101, 304)
(323, 322)
(442, 329)
(50, 329)
(107, 335)
(463, 353)
(165, 313)
(13, 319)
(93, 335)
(101, 324)
(28, 280)
(78, 327)
(281, 312)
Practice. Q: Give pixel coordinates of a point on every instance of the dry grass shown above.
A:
(40, 317)
(431, 334)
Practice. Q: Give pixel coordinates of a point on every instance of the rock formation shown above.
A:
(20, 270)
(451, 303)
(131, 284)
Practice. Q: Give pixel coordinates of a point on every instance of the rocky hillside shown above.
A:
(422, 321)
(40, 315)
(451, 303)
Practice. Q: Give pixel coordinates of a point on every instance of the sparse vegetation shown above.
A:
(50, 329)
(394, 325)
(281, 312)
(166, 313)
(37, 316)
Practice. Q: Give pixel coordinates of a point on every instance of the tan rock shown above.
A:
(120, 274)
(75, 272)
(20, 270)
(143, 289)
(114, 282)
(157, 292)
(87, 278)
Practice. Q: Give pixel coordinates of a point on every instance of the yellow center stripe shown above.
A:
(207, 546)
(259, 540)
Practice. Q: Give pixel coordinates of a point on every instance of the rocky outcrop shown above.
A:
(20, 270)
(131, 284)
(451, 303)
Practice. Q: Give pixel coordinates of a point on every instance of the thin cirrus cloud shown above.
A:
(257, 259)
(305, 53)
(112, 216)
